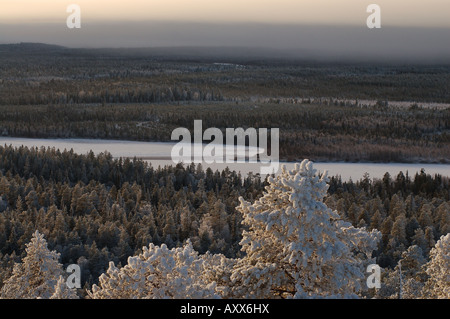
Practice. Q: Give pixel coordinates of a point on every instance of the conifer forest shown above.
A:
(188, 231)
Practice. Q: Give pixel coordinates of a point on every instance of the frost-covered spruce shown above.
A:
(37, 275)
(410, 265)
(438, 270)
(62, 291)
(295, 246)
(157, 273)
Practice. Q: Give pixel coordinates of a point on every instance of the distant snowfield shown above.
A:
(397, 104)
(158, 154)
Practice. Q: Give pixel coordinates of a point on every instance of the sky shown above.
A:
(415, 27)
(430, 13)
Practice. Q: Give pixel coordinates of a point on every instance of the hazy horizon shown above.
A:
(411, 30)
(306, 41)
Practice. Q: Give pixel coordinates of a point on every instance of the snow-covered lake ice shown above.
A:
(158, 154)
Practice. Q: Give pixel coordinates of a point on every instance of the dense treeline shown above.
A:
(407, 210)
(35, 74)
(96, 209)
(48, 91)
(100, 209)
(327, 131)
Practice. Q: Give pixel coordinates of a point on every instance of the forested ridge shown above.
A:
(96, 209)
(55, 75)
(320, 108)
(331, 131)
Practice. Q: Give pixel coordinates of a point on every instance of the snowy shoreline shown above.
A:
(158, 154)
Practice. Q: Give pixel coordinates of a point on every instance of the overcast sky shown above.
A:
(415, 29)
(434, 13)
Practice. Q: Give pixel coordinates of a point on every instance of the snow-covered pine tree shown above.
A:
(37, 275)
(157, 273)
(295, 246)
(62, 291)
(438, 270)
(412, 275)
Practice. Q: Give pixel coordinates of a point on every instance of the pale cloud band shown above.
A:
(405, 44)
(320, 29)
(414, 13)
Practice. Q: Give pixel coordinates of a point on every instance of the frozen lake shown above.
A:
(158, 154)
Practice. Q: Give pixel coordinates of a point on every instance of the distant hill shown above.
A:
(28, 46)
(209, 54)
(26, 49)
(191, 53)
